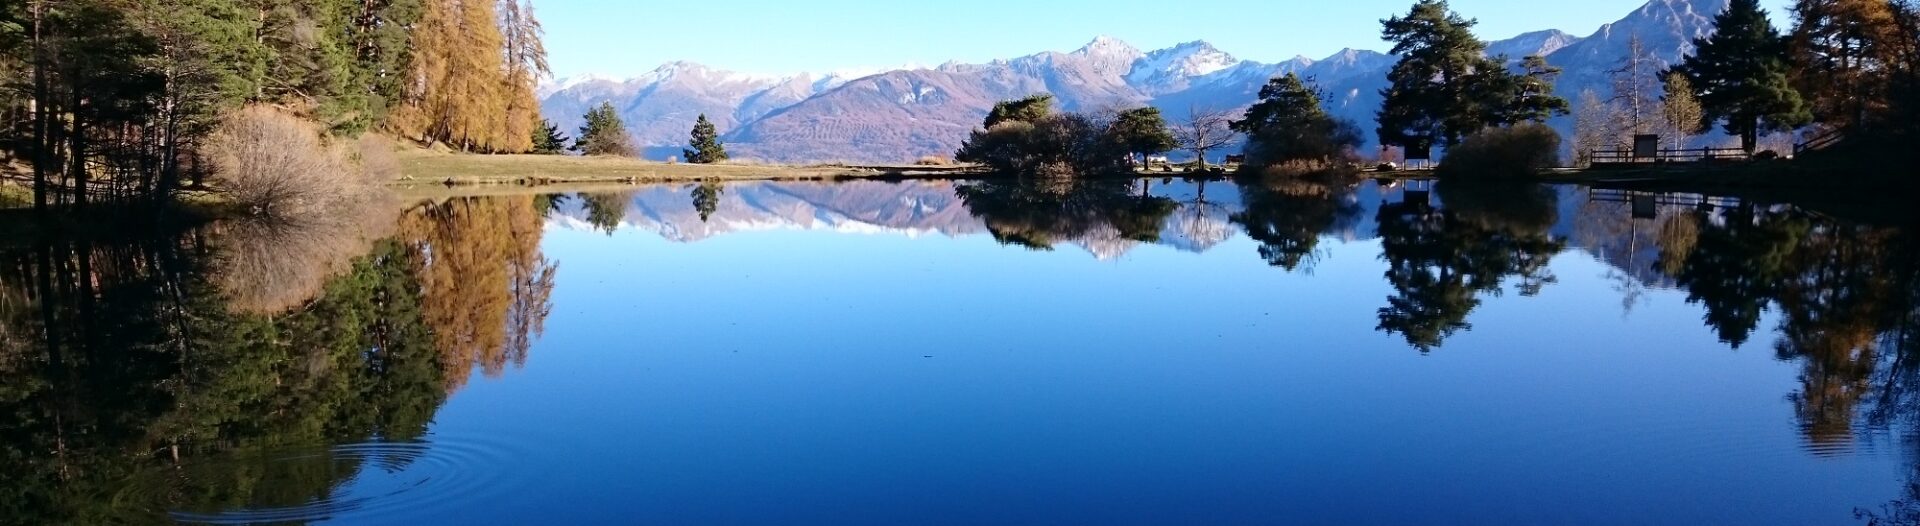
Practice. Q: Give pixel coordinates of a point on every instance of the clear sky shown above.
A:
(626, 37)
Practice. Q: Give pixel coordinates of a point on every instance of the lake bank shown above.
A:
(420, 166)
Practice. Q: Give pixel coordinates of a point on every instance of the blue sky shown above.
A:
(624, 37)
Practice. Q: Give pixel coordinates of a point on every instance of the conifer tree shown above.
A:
(1741, 76)
(1143, 132)
(1429, 100)
(705, 147)
(548, 140)
(1288, 124)
(604, 134)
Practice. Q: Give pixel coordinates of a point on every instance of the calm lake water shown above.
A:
(976, 353)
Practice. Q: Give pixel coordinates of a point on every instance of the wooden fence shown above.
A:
(1683, 155)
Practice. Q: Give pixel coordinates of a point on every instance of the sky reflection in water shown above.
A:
(908, 353)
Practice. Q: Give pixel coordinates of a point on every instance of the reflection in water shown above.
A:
(1441, 259)
(1041, 212)
(1289, 216)
(253, 372)
(135, 373)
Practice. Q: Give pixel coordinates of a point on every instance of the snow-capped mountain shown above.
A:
(899, 115)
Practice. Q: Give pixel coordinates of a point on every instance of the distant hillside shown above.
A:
(900, 115)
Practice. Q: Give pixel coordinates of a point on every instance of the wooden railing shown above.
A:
(1683, 155)
(1820, 141)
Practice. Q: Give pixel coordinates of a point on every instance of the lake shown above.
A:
(996, 352)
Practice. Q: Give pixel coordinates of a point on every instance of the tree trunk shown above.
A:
(41, 149)
(1750, 136)
(77, 150)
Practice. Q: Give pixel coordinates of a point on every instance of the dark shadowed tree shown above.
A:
(1026, 109)
(706, 198)
(1740, 74)
(1143, 132)
(1288, 124)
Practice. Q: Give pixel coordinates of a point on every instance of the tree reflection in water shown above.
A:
(122, 358)
(1038, 213)
(1440, 259)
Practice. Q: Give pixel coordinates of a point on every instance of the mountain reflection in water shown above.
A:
(238, 372)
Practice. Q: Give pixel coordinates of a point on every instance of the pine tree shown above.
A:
(1027, 109)
(1143, 132)
(1427, 101)
(1741, 77)
(1288, 124)
(604, 134)
(1445, 87)
(705, 147)
(547, 139)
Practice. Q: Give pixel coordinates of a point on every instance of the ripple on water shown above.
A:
(299, 484)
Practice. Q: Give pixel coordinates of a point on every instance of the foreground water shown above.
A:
(976, 353)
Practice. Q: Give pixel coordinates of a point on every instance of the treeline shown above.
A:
(1845, 65)
(113, 100)
(1849, 67)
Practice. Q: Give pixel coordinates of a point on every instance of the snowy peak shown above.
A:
(1106, 46)
(1541, 43)
(1175, 67)
(1109, 56)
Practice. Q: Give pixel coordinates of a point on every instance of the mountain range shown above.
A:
(900, 115)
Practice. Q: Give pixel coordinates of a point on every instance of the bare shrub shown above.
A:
(303, 209)
(274, 164)
(932, 160)
(1519, 151)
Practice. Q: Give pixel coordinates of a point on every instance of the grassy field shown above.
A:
(419, 166)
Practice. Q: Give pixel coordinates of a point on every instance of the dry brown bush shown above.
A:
(304, 210)
(933, 160)
(274, 164)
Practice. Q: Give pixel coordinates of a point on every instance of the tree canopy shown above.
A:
(604, 134)
(1288, 124)
(1444, 87)
(1740, 75)
(704, 146)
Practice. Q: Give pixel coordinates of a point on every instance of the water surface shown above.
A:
(1146, 352)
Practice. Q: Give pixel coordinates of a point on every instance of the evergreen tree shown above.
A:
(1142, 131)
(705, 147)
(1532, 98)
(604, 134)
(1445, 87)
(1741, 77)
(1288, 124)
(548, 140)
(1028, 109)
(1430, 99)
